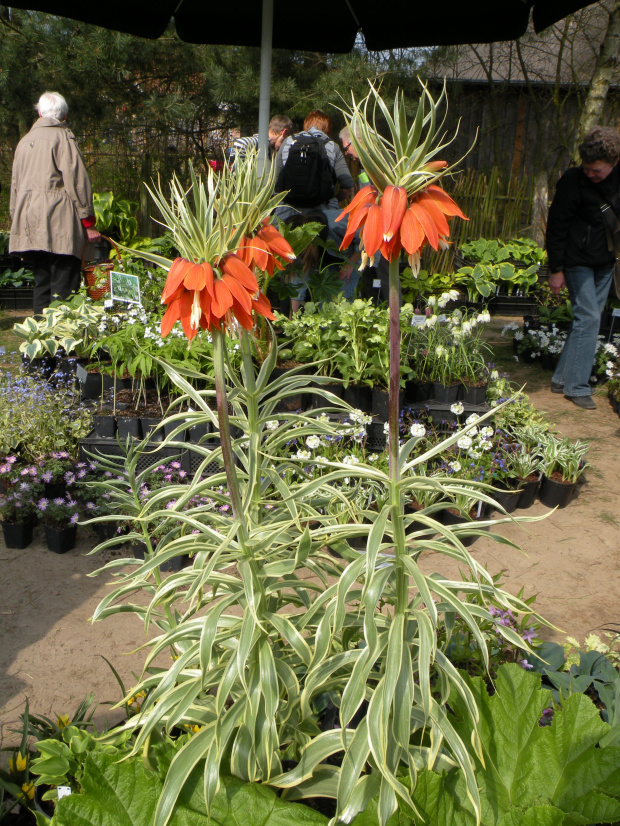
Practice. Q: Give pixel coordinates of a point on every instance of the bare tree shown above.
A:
(602, 76)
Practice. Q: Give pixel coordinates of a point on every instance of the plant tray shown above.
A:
(16, 298)
(10, 262)
(93, 446)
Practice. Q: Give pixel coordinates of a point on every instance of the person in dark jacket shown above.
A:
(581, 256)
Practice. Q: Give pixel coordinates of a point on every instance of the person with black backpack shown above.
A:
(308, 166)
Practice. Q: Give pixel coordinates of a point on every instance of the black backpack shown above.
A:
(307, 173)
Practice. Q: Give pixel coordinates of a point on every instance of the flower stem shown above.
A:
(219, 346)
(394, 370)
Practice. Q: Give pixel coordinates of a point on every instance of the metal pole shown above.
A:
(265, 83)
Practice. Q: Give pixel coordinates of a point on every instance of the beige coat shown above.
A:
(50, 191)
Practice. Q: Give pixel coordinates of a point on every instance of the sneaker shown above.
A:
(586, 402)
(557, 388)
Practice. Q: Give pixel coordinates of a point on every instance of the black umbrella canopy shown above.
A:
(319, 26)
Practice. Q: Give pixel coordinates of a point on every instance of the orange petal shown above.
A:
(356, 220)
(260, 253)
(445, 202)
(429, 204)
(240, 272)
(176, 274)
(393, 206)
(261, 305)
(372, 233)
(205, 306)
(170, 317)
(391, 249)
(195, 278)
(428, 225)
(435, 166)
(208, 271)
(276, 242)
(411, 232)
(238, 292)
(222, 299)
(366, 195)
(243, 316)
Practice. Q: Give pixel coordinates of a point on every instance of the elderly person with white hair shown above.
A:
(51, 203)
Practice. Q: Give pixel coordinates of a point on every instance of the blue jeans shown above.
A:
(588, 289)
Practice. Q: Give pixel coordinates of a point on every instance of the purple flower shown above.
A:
(47, 476)
(529, 635)
(59, 500)
(524, 664)
(74, 518)
(493, 611)
(547, 717)
(90, 506)
(42, 504)
(175, 465)
(24, 486)
(11, 459)
(70, 477)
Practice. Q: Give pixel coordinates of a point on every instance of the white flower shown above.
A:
(386, 429)
(494, 375)
(466, 328)
(302, 454)
(417, 430)
(454, 294)
(431, 301)
(372, 457)
(439, 350)
(486, 432)
(483, 317)
(473, 431)
(430, 321)
(454, 466)
(322, 418)
(350, 460)
(313, 442)
(457, 408)
(473, 454)
(471, 419)
(464, 443)
(272, 424)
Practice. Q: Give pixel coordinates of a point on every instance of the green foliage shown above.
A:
(530, 773)
(418, 287)
(115, 217)
(71, 326)
(16, 278)
(126, 794)
(523, 250)
(257, 653)
(40, 419)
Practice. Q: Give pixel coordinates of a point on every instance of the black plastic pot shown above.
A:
(554, 494)
(92, 386)
(17, 535)
(529, 491)
(359, 396)
(198, 432)
(381, 404)
(128, 426)
(418, 392)
(60, 540)
(151, 430)
(317, 400)
(42, 367)
(508, 498)
(449, 518)
(473, 395)
(105, 426)
(445, 393)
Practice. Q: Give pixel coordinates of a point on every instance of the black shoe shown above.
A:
(586, 402)
(557, 388)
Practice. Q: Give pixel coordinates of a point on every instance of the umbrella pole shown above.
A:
(265, 83)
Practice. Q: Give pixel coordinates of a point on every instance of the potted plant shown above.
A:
(562, 464)
(55, 471)
(60, 517)
(18, 512)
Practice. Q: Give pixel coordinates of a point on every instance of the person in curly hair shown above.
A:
(582, 219)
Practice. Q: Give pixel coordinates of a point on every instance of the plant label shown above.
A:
(616, 312)
(376, 283)
(125, 287)
(418, 320)
(81, 373)
(108, 304)
(63, 791)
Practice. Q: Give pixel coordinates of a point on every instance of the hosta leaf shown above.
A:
(544, 815)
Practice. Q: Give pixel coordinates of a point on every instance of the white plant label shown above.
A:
(376, 283)
(63, 791)
(81, 373)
